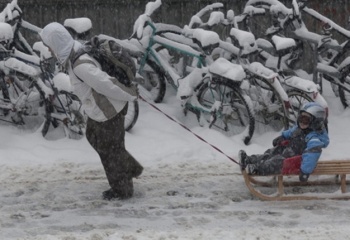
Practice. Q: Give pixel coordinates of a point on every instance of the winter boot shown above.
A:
(137, 171)
(125, 188)
(242, 159)
(125, 191)
(252, 169)
(109, 195)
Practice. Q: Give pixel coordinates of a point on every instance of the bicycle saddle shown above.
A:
(283, 43)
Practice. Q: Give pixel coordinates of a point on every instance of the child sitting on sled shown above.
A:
(306, 138)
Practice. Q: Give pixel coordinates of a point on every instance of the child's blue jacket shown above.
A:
(315, 141)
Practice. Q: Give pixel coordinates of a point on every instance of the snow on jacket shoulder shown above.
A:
(101, 98)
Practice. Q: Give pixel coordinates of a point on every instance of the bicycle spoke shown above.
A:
(269, 108)
(232, 115)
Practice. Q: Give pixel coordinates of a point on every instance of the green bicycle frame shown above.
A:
(171, 45)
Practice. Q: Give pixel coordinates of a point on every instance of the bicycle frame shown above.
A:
(171, 45)
(332, 75)
(190, 103)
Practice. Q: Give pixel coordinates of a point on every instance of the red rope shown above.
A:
(182, 125)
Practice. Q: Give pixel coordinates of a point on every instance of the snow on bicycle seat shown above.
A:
(283, 43)
(265, 45)
(245, 40)
(226, 69)
(79, 25)
(207, 40)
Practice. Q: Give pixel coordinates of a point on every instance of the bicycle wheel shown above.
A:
(28, 102)
(153, 84)
(63, 111)
(132, 115)
(270, 111)
(233, 116)
(344, 93)
(76, 127)
(4, 95)
(296, 99)
(181, 63)
(48, 108)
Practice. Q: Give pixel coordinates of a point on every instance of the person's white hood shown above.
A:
(58, 39)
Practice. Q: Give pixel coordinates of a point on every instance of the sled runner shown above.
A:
(329, 174)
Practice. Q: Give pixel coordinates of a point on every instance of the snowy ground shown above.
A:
(52, 189)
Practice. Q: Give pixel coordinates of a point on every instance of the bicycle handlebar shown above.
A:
(324, 19)
(142, 20)
(30, 27)
(197, 17)
(8, 13)
(209, 8)
(261, 2)
(317, 39)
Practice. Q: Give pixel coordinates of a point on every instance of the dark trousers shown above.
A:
(271, 161)
(107, 138)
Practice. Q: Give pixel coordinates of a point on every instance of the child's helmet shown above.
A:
(317, 112)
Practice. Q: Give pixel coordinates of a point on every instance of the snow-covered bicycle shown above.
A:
(280, 54)
(28, 98)
(333, 62)
(270, 102)
(25, 100)
(213, 93)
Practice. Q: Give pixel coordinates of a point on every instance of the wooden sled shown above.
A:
(332, 172)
